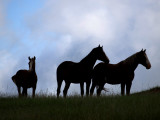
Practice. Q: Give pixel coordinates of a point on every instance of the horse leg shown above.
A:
(92, 88)
(59, 83)
(87, 87)
(128, 87)
(99, 90)
(24, 92)
(19, 91)
(33, 92)
(122, 88)
(66, 89)
(82, 88)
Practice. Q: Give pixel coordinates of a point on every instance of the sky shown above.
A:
(67, 30)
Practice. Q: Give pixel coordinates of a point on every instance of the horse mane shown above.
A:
(131, 59)
(85, 58)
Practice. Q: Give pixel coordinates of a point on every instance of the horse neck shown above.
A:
(132, 62)
(32, 69)
(89, 60)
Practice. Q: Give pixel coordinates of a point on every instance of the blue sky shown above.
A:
(58, 30)
(16, 13)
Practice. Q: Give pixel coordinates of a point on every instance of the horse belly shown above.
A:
(76, 78)
(28, 83)
(73, 72)
(113, 79)
(113, 82)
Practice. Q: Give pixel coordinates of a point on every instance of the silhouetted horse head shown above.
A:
(31, 63)
(143, 59)
(100, 54)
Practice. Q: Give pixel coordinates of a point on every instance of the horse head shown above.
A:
(100, 54)
(143, 59)
(32, 63)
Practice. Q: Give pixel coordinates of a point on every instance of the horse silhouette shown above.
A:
(121, 73)
(80, 72)
(26, 78)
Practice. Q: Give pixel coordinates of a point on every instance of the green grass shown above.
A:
(134, 107)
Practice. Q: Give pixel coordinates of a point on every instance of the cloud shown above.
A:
(81, 20)
(8, 63)
(8, 37)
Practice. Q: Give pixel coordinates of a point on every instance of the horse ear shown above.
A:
(29, 58)
(34, 58)
(99, 45)
(102, 46)
(144, 50)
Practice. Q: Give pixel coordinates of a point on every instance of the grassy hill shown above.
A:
(154, 90)
(144, 105)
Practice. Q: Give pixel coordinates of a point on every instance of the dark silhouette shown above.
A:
(121, 73)
(80, 72)
(26, 78)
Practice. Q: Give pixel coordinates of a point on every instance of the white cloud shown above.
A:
(8, 63)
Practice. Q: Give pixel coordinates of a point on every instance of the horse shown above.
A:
(72, 72)
(26, 78)
(120, 73)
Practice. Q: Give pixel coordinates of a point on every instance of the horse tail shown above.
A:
(105, 89)
(92, 74)
(14, 78)
(59, 81)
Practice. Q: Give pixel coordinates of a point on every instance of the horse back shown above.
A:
(72, 71)
(112, 73)
(114, 68)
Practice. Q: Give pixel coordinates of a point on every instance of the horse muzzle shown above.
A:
(148, 66)
(107, 61)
